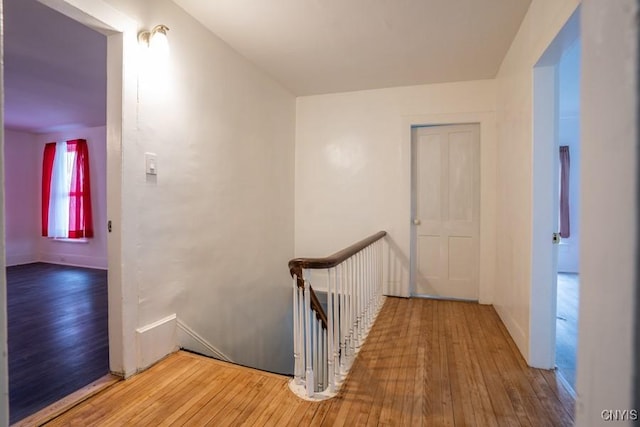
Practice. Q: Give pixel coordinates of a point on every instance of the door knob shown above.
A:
(417, 222)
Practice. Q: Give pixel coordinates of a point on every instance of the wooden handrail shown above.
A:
(297, 265)
(317, 307)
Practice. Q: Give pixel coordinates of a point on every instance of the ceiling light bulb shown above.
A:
(158, 40)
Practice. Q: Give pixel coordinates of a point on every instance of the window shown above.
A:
(66, 193)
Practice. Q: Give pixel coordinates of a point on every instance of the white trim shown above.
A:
(544, 254)
(543, 288)
(67, 240)
(74, 260)
(517, 333)
(188, 339)
(488, 182)
(155, 341)
(20, 259)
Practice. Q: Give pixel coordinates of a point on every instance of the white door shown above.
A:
(447, 211)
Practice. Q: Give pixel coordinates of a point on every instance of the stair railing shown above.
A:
(326, 343)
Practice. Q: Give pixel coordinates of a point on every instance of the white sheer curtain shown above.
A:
(60, 184)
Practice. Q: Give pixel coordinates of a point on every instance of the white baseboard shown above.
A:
(20, 259)
(516, 332)
(190, 340)
(155, 341)
(75, 260)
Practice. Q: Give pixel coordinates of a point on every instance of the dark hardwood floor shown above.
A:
(58, 333)
(567, 326)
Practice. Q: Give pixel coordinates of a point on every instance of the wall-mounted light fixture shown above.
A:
(156, 39)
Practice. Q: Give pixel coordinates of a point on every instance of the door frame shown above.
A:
(488, 194)
(121, 32)
(121, 93)
(544, 271)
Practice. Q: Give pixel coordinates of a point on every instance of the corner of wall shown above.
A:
(517, 333)
(155, 341)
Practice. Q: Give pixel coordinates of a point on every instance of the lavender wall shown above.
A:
(21, 197)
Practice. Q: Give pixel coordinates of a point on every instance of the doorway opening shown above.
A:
(55, 91)
(568, 288)
(122, 311)
(555, 240)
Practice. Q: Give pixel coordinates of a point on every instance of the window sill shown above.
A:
(65, 240)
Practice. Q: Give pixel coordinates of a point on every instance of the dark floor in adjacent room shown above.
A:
(58, 333)
(567, 326)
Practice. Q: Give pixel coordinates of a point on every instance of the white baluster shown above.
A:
(352, 311)
(296, 342)
(309, 380)
(360, 281)
(343, 317)
(376, 268)
(317, 352)
(367, 297)
(301, 331)
(372, 285)
(314, 349)
(322, 362)
(330, 331)
(336, 322)
(380, 273)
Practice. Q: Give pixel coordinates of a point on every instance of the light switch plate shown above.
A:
(151, 163)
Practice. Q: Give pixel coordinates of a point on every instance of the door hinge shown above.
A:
(556, 238)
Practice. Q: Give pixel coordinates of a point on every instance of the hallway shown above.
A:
(426, 362)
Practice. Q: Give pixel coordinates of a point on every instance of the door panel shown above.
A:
(447, 210)
(429, 156)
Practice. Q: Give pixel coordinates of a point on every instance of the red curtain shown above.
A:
(80, 215)
(47, 169)
(565, 229)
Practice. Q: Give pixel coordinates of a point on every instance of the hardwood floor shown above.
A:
(57, 333)
(567, 326)
(426, 362)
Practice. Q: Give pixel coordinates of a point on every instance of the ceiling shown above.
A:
(569, 82)
(54, 70)
(324, 46)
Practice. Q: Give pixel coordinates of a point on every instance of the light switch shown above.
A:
(151, 163)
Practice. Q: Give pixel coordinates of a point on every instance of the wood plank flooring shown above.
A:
(567, 325)
(426, 362)
(58, 333)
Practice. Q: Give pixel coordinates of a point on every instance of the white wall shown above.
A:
(353, 167)
(542, 22)
(569, 134)
(210, 236)
(608, 282)
(22, 194)
(93, 253)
